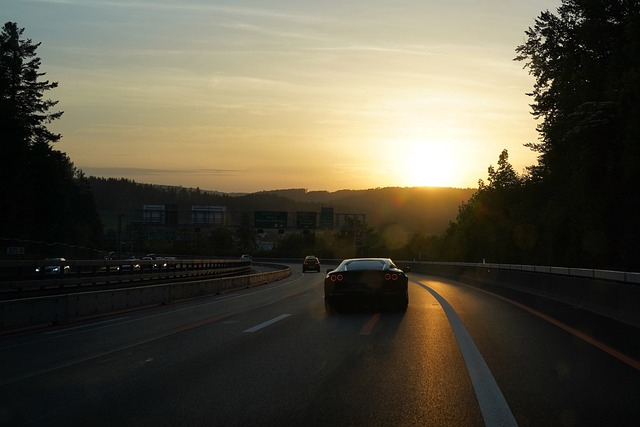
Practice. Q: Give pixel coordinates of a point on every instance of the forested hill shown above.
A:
(425, 209)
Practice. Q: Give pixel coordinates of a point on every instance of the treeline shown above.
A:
(578, 206)
(45, 203)
(427, 209)
(398, 220)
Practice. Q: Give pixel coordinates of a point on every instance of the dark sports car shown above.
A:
(366, 282)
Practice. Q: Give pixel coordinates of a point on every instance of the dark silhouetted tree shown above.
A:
(43, 196)
(486, 226)
(586, 62)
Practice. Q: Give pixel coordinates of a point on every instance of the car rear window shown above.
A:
(374, 264)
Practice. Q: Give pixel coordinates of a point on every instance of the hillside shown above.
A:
(425, 209)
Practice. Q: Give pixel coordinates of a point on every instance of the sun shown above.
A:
(428, 164)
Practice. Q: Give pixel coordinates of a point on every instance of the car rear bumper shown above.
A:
(362, 299)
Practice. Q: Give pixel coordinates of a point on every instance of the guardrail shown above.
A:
(34, 278)
(65, 308)
(613, 294)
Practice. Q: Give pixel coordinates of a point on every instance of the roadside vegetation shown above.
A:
(43, 197)
(576, 207)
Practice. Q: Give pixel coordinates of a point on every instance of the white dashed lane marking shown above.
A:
(267, 323)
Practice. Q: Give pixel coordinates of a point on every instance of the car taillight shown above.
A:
(336, 277)
(390, 276)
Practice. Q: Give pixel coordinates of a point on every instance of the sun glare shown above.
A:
(428, 164)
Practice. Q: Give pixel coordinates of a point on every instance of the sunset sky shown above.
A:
(247, 95)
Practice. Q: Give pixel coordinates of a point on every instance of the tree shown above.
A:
(505, 177)
(496, 224)
(585, 60)
(42, 194)
(579, 59)
(22, 115)
(220, 242)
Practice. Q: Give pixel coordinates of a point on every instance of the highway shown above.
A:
(270, 355)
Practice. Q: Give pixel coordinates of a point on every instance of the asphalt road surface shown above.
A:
(270, 356)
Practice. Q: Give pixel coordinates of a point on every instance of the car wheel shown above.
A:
(404, 303)
(328, 306)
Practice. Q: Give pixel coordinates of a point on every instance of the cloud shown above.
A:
(109, 171)
(188, 6)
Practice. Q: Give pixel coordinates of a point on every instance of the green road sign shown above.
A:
(326, 218)
(306, 220)
(270, 219)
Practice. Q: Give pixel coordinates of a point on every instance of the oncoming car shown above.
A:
(311, 263)
(57, 267)
(366, 282)
(131, 264)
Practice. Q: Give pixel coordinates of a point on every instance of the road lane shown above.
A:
(494, 408)
(193, 363)
(267, 323)
(548, 375)
(62, 345)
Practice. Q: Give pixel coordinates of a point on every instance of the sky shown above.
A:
(247, 95)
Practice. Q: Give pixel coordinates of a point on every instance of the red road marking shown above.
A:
(586, 338)
(197, 324)
(366, 330)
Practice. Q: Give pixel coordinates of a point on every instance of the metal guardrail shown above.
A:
(47, 277)
(612, 294)
(610, 275)
(21, 313)
(617, 276)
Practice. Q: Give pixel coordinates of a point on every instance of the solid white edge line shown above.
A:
(495, 409)
(267, 323)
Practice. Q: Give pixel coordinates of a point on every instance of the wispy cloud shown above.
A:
(189, 6)
(374, 49)
(269, 31)
(106, 171)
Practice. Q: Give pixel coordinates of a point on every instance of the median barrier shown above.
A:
(60, 309)
(629, 302)
(613, 294)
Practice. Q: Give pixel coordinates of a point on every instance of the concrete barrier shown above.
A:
(609, 293)
(41, 311)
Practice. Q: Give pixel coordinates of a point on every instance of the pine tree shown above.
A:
(41, 193)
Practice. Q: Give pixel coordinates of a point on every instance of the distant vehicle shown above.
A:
(311, 263)
(160, 261)
(246, 257)
(54, 268)
(366, 282)
(131, 264)
(147, 266)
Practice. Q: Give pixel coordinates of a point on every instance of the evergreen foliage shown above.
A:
(578, 205)
(43, 197)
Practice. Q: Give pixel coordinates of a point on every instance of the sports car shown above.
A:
(369, 282)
